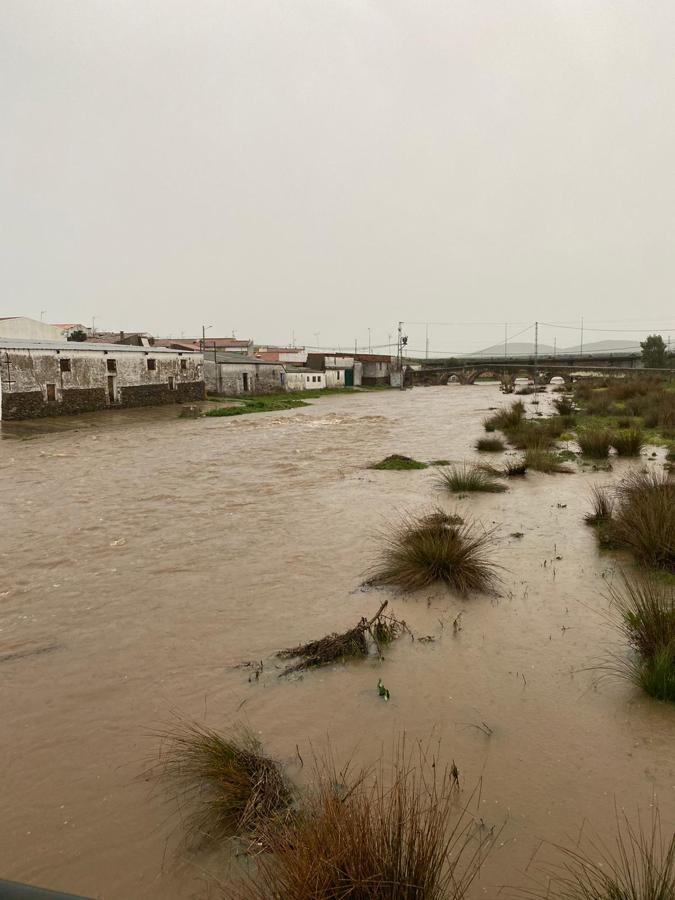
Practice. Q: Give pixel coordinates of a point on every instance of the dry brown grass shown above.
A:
(644, 518)
(393, 833)
(224, 785)
(435, 548)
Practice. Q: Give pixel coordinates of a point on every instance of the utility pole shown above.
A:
(554, 347)
(426, 349)
(93, 322)
(356, 349)
(506, 338)
(42, 314)
(536, 353)
(581, 345)
(370, 346)
(205, 328)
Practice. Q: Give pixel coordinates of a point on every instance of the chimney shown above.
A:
(121, 336)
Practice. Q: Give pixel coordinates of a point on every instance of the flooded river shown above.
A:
(143, 556)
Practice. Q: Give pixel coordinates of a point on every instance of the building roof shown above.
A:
(79, 346)
(239, 359)
(196, 343)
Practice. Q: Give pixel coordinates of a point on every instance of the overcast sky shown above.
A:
(326, 166)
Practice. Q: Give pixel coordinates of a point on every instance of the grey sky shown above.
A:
(329, 166)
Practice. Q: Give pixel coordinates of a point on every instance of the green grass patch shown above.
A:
(464, 479)
(398, 463)
(490, 445)
(545, 461)
(265, 403)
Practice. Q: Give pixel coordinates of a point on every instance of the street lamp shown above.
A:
(205, 328)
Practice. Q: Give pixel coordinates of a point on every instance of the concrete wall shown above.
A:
(228, 378)
(41, 382)
(25, 329)
(335, 378)
(376, 372)
(305, 381)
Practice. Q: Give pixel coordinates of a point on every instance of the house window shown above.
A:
(64, 365)
(112, 365)
(313, 377)
(51, 393)
(152, 365)
(308, 378)
(282, 377)
(183, 365)
(338, 378)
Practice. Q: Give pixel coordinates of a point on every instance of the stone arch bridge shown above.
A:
(508, 372)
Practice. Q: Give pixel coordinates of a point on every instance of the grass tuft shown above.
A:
(514, 467)
(545, 461)
(595, 442)
(391, 833)
(398, 463)
(628, 442)
(602, 503)
(644, 518)
(227, 785)
(490, 445)
(466, 478)
(436, 548)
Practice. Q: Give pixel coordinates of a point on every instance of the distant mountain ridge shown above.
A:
(527, 349)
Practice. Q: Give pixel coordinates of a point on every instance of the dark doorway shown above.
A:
(111, 388)
(245, 377)
(349, 377)
(51, 393)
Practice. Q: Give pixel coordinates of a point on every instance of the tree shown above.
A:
(77, 335)
(653, 352)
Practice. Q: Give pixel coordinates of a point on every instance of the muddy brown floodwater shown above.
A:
(143, 556)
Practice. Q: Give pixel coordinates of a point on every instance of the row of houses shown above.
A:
(42, 377)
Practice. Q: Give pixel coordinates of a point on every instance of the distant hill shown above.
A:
(527, 349)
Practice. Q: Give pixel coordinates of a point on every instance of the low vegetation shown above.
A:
(393, 833)
(628, 442)
(378, 631)
(466, 478)
(602, 503)
(490, 445)
(640, 867)
(514, 466)
(506, 419)
(545, 461)
(595, 442)
(398, 463)
(271, 403)
(647, 619)
(643, 519)
(436, 548)
(226, 785)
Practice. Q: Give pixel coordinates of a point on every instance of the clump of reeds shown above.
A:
(226, 785)
(392, 833)
(545, 461)
(640, 867)
(531, 436)
(350, 644)
(564, 406)
(396, 462)
(628, 442)
(602, 506)
(514, 466)
(595, 442)
(490, 445)
(435, 548)
(644, 518)
(505, 419)
(647, 619)
(466, 478)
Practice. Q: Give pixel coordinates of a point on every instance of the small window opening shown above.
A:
(51, 393)
(172, 383)
(152, 364)
(64, 365)
(183, 364)
(112, 365)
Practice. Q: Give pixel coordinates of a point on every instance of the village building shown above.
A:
(46, 378)
(226, 344)
(300, 378)
(231, 373)
(296, 356)
(25, 329)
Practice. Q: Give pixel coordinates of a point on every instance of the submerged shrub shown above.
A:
(644, 518)
(531, 436)
(602, 503)
(227, 784)
(467, 478)
(545, 461)
(514, 466)
(395, 833)
(628, 442)
(506, 418)
(647, 619)
(397, 462)
(490, 445)
(595, 442)
(436, 548)
(564, 406)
